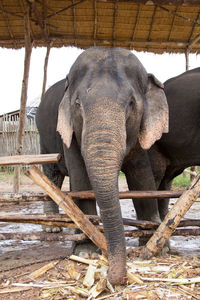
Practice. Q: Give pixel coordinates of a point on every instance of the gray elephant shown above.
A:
(155, 169)
(97, 118)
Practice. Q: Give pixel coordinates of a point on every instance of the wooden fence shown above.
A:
(8, 136)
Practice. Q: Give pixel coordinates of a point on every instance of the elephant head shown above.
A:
(110, 104)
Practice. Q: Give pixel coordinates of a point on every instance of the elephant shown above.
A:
(155, 168)
(97, 118)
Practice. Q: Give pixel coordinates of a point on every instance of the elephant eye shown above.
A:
(132, 104)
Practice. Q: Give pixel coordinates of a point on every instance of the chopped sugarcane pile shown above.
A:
(168, 277)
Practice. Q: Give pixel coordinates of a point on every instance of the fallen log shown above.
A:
(171, 221)
(10, 197)
(50, 237)
(68, 206)
(177, 232)
(62, 220)
(29, 159)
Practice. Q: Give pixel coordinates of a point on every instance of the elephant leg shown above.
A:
(159, 165)
(79, 181)
(140, 177)
(50, 207)
(163, 203)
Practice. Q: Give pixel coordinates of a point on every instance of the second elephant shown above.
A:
(106, 108)
(176, 150)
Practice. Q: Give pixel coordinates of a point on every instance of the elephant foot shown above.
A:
(87, 250)
(117, 271)
(51, 229)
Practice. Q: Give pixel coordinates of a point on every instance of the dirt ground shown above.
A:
(17, 257)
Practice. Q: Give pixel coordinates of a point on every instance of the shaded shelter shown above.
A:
(155, 26)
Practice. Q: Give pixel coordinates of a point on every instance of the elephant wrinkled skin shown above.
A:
(106, 109)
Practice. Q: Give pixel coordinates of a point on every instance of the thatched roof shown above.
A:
(154, 26)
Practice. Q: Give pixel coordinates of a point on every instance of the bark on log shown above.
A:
(64, 221)
(90, 195)
(177, 232)
(172, 219)
(67, 204)
(49, 237)
(29, 159)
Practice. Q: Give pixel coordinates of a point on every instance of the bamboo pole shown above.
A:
(29, 159)
(20, 133)
(81, 195)
(45, 69)
(171, 221)
(64, 221)
(67, 204)
(187, 66)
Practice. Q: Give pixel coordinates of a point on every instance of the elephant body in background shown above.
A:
(106, 110)
(177, 149)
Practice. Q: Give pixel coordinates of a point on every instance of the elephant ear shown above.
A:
(64, 124)
(155, 117)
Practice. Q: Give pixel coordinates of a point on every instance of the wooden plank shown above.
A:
(69, 207)
(29, 159)
(171, 221)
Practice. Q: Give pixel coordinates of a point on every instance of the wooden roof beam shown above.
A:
(152, 21)
(40, 20)
(74, 19)
(95, 21)
(114, 22)
(65, 8)
(173, 21)
(136, 22)
(193, 27)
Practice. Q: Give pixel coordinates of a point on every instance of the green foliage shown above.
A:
(181, 181)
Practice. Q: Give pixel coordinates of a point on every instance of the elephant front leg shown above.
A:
(79, 181)
(140, 177)
(49, 206)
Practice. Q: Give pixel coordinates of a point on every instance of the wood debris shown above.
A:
(169, 277)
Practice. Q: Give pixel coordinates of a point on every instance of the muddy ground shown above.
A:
(14, 254)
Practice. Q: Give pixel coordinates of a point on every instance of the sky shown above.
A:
(162, 66)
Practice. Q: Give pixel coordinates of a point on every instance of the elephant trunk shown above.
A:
(103, 151)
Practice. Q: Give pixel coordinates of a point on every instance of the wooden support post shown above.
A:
(187, 66)
(171, 221)
(20, 133)
(45, 69)
(67, 204)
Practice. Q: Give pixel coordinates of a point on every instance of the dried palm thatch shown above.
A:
(155, 26)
